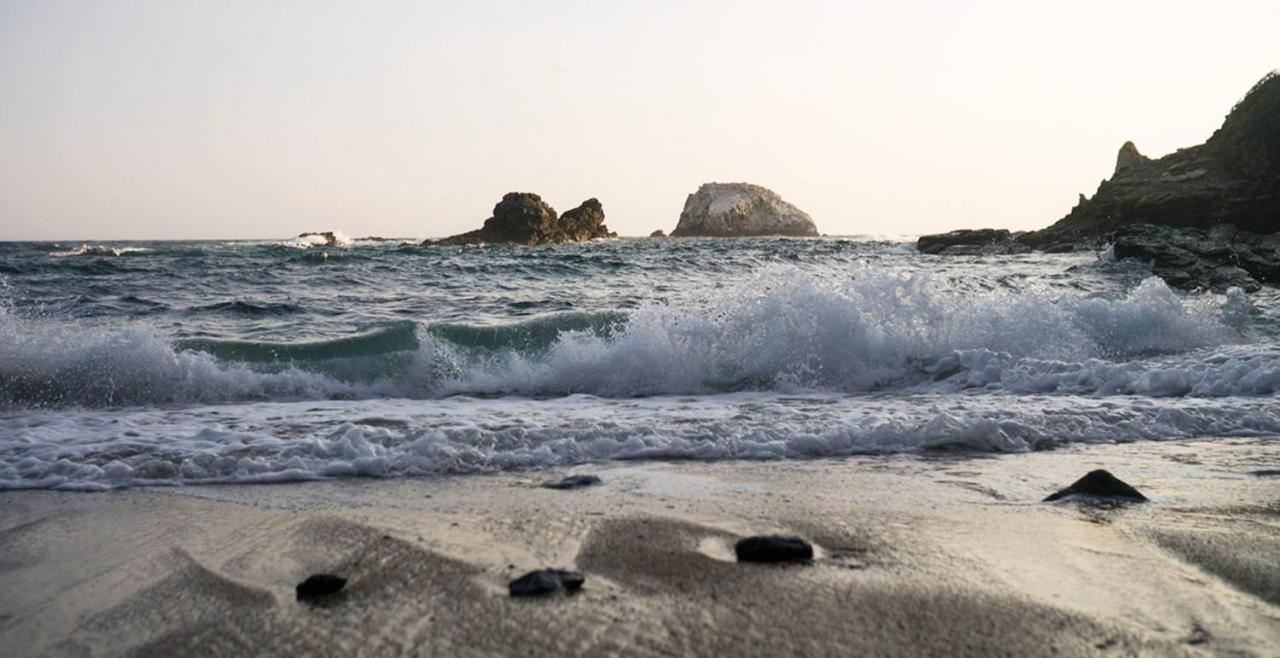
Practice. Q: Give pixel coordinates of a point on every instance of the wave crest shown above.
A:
(786, 331)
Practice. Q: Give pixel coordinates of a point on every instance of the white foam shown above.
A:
(272, 442)
(98, 250)
(878, 330)
(309, 240)
(785, 366)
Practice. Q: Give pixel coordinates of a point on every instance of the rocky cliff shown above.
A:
(740, 209)
(1233, 178)
(1179, 200)
(524, 218)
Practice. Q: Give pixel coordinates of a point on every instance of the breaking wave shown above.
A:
(787, 332)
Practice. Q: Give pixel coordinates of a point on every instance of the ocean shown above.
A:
(142, 363)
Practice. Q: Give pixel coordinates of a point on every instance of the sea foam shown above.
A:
(287, 441)
(788, 365)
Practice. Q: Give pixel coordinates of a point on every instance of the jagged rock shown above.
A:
(324, 239)
(573, 482)
(319, 585)
(740, 210)
(658, 234)
(586, 222)
(773, 548)
(1127, 157)
(1191, 258)
(524, 218)
(1233, 178)
(1099, 483)
(971, 243)
(1203, 217)
(546, 581)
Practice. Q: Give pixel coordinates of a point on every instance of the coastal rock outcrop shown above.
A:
(1217, 258)
(524, 218)
(321, 239)
(741, 210)
(966, 242)
(1204, 217)
(658, 234)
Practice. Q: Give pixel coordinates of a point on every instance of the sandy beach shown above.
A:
(946, 554)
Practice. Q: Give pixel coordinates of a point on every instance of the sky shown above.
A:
(251, 119)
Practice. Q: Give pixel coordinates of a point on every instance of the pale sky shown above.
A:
(242, 119)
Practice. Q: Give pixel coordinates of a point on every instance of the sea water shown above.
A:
(163, 363)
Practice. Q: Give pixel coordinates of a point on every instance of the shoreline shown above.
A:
(936, 554)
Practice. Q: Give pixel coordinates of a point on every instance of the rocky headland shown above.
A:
(726, 210)
(1206, 216)
(524, 218)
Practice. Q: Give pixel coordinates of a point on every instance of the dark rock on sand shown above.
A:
(1099, 483)
(319, 585)
(658, 234)
(524, 218)
(573, 482)
(725, 210)
(773, 548)
(1217, 206)
(546, 581)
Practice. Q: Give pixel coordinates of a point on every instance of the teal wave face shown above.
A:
(530, 336)
(398, 337)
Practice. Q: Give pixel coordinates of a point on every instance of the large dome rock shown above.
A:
(739, 210)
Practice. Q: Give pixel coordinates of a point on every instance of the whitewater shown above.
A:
(164, 363)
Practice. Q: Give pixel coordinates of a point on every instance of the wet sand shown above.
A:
(947, 554)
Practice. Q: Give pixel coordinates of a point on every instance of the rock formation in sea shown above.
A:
(321, 239)
(1216, 258)
(741, 209)
(524, 218)
(658, 234)
(1198, 215)
(966, 242)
